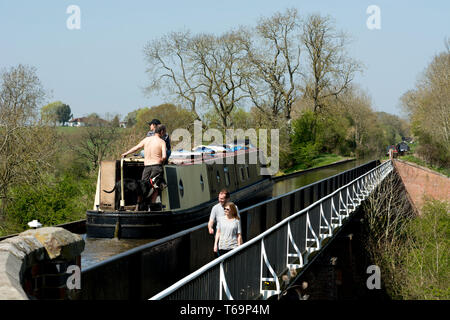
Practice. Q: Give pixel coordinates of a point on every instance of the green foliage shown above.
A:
(302, 128)
(64, 113)
(130, 119)
(427, 254)
(49, 113)
(429, 110)
(413, 252)
(411, 158)
(56, 112)
(173, 117)
(52, 201)
(305, 153)
(320, 160)
(115, 122)
(393, 128)
(303, 144)
(241, 119)
(434, 152)
(329, 136)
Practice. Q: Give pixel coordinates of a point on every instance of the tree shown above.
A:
(428, 106)
(329, 70)
(273, 57)
(394, 128)
(170, 67)
(173, 117)
(49, 113)
(387, 213)
(94, 120)
(219, 63)
(130, 118)
(94, 142)
(26, 146)
(115, 122)
(303, 143)
(56, 112)
(64, 113)
(199, 70)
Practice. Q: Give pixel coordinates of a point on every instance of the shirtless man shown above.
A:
(154, 156)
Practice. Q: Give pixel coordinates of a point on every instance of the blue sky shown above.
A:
(100, 67)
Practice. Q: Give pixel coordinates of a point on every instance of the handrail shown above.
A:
(371, 182)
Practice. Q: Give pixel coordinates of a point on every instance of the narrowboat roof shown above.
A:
(187, 157)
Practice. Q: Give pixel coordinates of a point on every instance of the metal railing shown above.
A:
(252, 270)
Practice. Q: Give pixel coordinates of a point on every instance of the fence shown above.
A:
(252, 270)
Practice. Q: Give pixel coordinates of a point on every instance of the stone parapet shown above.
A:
(33, 264)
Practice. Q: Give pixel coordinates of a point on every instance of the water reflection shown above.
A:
(97, 249)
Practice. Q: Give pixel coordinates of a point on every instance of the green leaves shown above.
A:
(56, 112)
(52, 201)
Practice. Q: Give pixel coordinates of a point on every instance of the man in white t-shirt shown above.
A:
(217, 211)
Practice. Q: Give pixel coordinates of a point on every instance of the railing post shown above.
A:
(267, 293)
(298, 254)
(223, 284)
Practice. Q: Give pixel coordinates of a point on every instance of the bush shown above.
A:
(303, 145)
(306, 153)
(412, 252)
(427, 254)
(53, 201)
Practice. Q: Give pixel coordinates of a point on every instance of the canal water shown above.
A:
(97, 250)
(298, 181)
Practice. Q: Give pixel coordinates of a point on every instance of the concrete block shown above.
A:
(58, 242)
(10, 264)
(28, 248)
(11, 248)
(10, 274)
(35, 249)
(10, 292)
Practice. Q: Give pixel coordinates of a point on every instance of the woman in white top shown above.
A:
(228, 235)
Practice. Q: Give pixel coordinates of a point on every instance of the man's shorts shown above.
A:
(152, 171)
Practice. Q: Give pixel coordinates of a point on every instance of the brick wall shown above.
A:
(422, 183)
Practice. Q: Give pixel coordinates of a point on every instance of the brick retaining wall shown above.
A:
(422, 183)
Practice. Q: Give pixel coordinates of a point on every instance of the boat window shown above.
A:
(180, 187)
(218, 176)
(202, 183)
(227, 176)
(248, 171)
(242, 174)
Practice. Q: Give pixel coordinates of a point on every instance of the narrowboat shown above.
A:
(193, 180)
